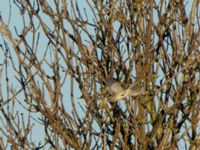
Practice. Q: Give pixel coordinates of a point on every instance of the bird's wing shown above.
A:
(114, 86)
(136, 89)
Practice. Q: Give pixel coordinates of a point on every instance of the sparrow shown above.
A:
(119, 93)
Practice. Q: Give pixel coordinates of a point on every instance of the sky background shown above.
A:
(15, 20)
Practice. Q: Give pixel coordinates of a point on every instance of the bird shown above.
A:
(118, 92)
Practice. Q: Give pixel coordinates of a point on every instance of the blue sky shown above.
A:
(13, 17)
(15, 20)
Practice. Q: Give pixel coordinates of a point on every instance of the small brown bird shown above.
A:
(118, 92)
